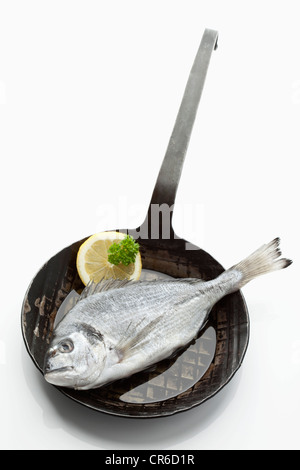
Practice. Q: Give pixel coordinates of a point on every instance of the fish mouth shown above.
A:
(61, 376)
(59, 369)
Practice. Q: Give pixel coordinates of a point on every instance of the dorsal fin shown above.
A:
(91, 288)
(105, 285)
(102, 286)
(111, 284)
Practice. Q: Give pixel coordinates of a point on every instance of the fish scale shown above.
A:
(137, 305)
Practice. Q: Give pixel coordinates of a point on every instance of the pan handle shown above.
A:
(165, 189)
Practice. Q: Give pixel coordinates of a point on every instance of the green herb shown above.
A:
(124, 251)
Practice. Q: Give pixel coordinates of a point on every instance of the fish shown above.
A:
(117, 328)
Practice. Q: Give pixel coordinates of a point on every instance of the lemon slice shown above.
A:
(92, 260)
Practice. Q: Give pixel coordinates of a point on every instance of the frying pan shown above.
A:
(206, 366)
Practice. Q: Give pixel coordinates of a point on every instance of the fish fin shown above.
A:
(111, 284)
(264, 260)
(128, 341)
(126, 347)
(90, 289)
(103, 285)
(69, 302)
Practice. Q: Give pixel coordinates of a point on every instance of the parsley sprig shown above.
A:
(124, 251)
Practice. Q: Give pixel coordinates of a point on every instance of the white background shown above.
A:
(89, 92)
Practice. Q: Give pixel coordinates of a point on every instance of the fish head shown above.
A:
(75, 360)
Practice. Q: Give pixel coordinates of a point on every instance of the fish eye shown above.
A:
(66, 346)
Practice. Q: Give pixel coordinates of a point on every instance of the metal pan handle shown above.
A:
(165, 189)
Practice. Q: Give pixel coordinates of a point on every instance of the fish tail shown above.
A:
(264, 260)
